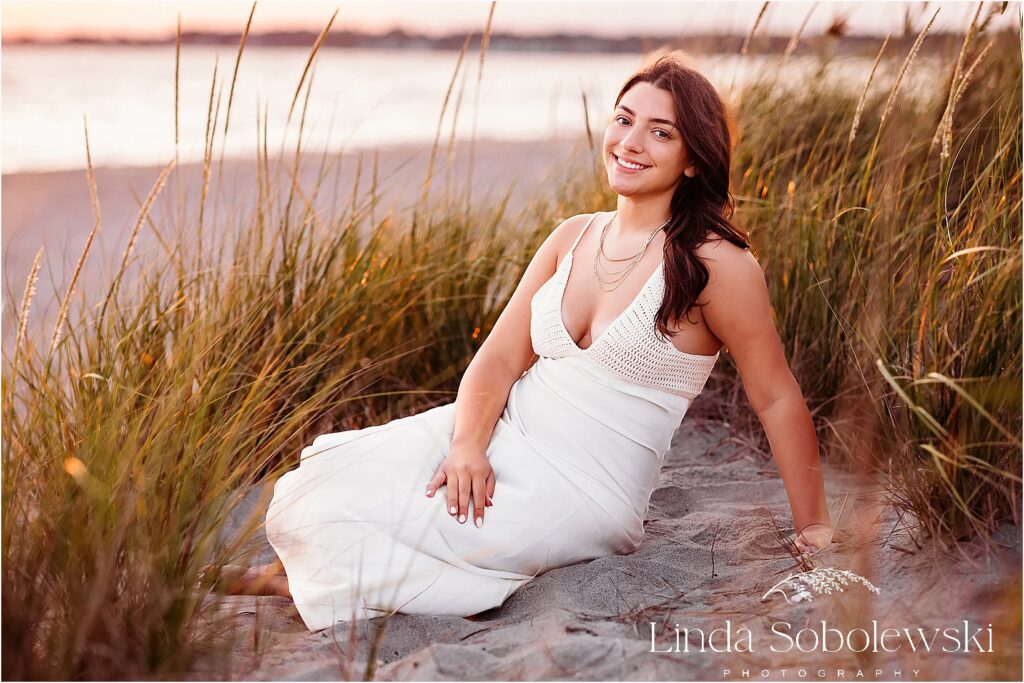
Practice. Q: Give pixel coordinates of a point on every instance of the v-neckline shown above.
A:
(615, 320)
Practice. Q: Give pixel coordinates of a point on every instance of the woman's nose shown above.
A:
(632, 140)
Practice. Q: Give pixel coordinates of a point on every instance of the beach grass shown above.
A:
(891, 241)
(888, 228)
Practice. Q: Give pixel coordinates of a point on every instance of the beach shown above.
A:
(53, 210)
(710, 553)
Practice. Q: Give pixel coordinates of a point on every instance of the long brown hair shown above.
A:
(702, 204)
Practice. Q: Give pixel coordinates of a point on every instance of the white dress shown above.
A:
(576, 454)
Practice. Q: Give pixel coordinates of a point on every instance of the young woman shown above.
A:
(538, 465)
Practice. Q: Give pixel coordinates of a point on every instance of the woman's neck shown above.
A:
(641, 217)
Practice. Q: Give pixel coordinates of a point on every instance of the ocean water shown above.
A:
(360, 98)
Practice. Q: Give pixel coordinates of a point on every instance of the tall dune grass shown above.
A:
(894, 265)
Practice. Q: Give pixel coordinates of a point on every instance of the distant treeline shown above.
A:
(833, 40)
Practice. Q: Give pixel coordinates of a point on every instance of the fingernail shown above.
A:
(479, 521)
(452, 509)
(462, 518)
(429, 490)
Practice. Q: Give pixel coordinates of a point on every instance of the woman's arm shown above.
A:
(507, 351)
(504, 356)
(483, 393)
(738, 312)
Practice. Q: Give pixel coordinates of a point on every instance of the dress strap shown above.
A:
(580, 236)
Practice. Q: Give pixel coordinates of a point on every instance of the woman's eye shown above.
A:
(664, 136)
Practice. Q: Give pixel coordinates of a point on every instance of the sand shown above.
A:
(709, 555)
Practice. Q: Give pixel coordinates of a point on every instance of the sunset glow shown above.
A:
(157, 18)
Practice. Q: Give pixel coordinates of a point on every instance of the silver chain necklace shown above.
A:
(616, 278)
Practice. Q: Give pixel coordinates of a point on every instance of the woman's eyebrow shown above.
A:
(632, 113)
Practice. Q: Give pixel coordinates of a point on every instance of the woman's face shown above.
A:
(642, 129)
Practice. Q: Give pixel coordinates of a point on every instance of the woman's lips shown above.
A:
(626, 169)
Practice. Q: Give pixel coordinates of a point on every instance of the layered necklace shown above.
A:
(615, 278)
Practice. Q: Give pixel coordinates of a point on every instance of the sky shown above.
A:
(157, 18)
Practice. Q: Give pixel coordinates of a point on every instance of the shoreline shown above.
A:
(52, 209)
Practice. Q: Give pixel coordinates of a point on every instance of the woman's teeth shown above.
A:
(626, 164)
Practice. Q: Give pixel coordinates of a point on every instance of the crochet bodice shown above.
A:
(630, 347)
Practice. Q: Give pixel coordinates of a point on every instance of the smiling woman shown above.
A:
(565, 414)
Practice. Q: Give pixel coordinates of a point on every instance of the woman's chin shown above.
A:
(627, 186)
(619, 183)
(623, 186)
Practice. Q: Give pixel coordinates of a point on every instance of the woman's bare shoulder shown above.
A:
(573, 224)
(717, 247)
(567, 230)
(725, 260)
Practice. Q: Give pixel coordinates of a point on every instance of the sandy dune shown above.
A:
(709, 555)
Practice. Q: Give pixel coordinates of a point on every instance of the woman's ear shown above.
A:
(690, 171)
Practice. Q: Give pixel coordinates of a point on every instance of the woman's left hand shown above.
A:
(813, 538)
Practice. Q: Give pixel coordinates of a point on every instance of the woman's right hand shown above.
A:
(468, 474)
(813, 538)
